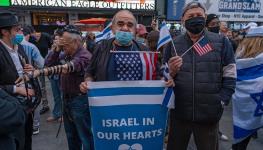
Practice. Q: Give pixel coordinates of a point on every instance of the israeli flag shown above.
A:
(248, 97)
(105, 34)
(129, 115)
(165, 36)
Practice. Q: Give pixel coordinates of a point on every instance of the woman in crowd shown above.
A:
(251, 49)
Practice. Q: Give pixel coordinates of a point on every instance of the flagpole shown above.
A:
(191, 47)
(174, 48)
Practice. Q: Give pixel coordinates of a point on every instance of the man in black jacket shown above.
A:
(12, 120)
(13, 64)
(203, 84)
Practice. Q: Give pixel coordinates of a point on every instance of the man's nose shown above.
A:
(125, 28)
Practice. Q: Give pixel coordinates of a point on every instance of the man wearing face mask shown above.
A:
(124, 28)
(103, 66)
(213, 25)
(13, 64)
(203, 84)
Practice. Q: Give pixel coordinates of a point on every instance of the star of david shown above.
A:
(258, 98)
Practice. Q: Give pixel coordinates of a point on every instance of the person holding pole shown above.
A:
(204, 71)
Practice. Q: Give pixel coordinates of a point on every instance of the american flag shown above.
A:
(202, 46)
(135, 65)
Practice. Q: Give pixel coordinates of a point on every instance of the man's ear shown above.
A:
(5, 32)
(113, 29)
(182, 21)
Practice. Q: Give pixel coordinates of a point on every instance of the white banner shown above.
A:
(235, 10)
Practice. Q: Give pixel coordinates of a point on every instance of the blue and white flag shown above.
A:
(165, 36)
(248, 97)
(105, 34)
(129, 114)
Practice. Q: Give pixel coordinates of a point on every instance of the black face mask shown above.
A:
(195, 25)
(214, 29)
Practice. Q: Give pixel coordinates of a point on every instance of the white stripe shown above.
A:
(244, 106)
(143, 67)
(117, 84)
(125, 100)
(249, 62)
(230, 71)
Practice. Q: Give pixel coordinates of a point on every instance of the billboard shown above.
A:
(227, 10)
(101, 4)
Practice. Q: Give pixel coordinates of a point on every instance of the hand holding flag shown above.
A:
(175, 64)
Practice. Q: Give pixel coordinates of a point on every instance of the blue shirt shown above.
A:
(33, 54)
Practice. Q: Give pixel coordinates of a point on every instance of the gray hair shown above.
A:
(193, 4)
(124, 11)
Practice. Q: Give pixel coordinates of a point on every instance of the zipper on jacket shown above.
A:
(193, 75)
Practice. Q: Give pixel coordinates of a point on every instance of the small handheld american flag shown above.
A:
(203, 46)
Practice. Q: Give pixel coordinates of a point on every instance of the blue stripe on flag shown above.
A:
(106, 30)
(250, 73)
(126, 91)
(240, 133)
(99, 36)
(164, 40)
(167, 97)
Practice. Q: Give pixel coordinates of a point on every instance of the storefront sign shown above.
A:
(119, 4)
(4, 3)
(227, 10)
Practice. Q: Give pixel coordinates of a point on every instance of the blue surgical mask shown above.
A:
(123, 38)
(140, 40)
(17, 39)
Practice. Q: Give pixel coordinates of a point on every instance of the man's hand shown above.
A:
(22, 91)
(84, 87)
(175, 64)
(169, 83)
(25, 77)
(28, 68)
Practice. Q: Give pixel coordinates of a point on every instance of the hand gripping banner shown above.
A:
(129, 115)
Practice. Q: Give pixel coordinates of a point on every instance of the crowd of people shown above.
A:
(203, 85)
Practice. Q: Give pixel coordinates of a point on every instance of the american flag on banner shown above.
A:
(202, 46)
(135, 65)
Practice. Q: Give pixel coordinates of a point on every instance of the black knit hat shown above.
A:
(26, 31)
(8, 19)
(210, 17)
(71, 29)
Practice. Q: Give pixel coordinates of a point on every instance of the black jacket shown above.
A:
(100, 58)
(203, 82)
(8, 72)
(12, 120)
